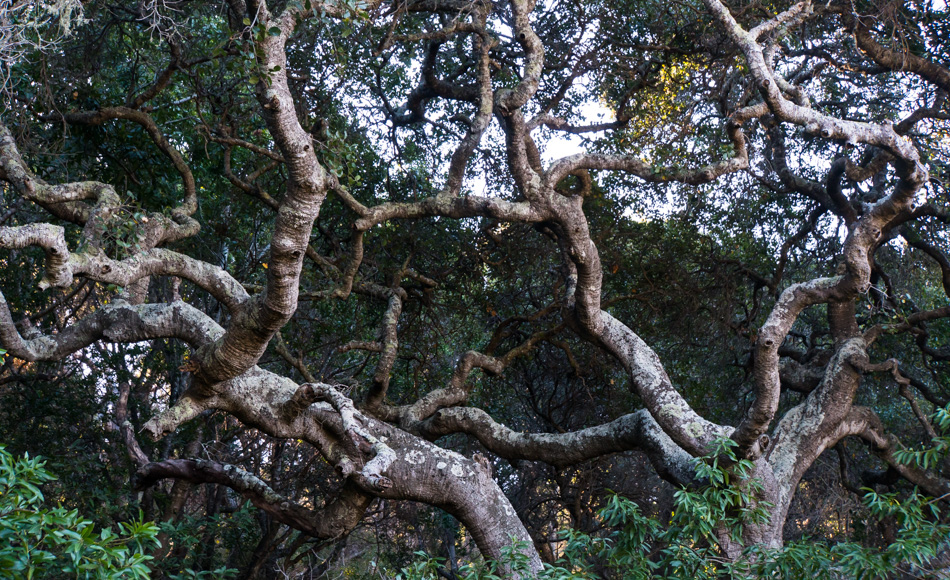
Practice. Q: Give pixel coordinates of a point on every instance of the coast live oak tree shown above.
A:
(264, 238)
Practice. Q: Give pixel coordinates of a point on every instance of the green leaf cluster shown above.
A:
(37, 542)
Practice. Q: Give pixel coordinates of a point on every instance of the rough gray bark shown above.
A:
(387, 451)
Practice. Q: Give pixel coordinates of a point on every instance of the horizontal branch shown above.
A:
(117, 321)
(454, 207)
(635, 166)
(636, 431)
(62, 266)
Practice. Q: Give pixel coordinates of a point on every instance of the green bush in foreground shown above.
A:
(37, 542)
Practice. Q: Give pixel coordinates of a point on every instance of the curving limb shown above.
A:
(338, 518)
(493, 80)
(636, 431)
(634, 165)
(117, 321)
(889, 58)
(190, 202)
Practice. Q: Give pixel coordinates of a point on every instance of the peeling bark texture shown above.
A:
(483, 264)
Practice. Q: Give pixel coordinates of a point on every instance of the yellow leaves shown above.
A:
(662, 110)
(264, 264)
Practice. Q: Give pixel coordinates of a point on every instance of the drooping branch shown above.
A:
(190, 202)
(138, 457)
(904, 390)
(778, 156)
(893, 367)
(335, 520)
(887, 57)
(843, 205)
(790, 243)
(865, 423)
(916, 241)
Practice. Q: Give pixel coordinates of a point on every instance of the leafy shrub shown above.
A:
(641, 548)
(37, 542)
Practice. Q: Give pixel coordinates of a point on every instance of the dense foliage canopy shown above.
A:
(577, 288)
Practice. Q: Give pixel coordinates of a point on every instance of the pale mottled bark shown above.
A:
(865, 233)
(636, 431)
(649, 379)
(414, 468)
(381, 450)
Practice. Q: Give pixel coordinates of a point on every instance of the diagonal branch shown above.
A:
(458, 389)
(335, 520)
(865, 423)
(887, 57)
